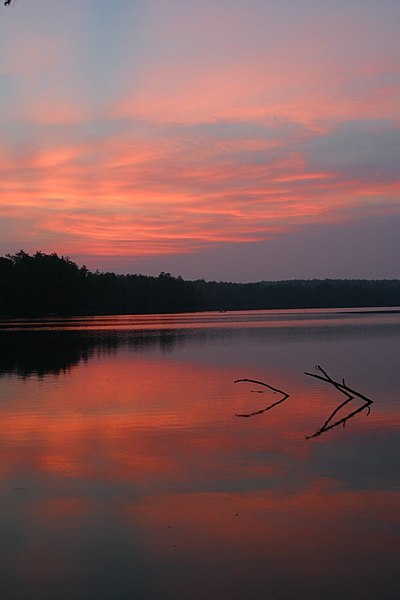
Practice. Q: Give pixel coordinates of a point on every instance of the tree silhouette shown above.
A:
(44, 284)
(48, 284)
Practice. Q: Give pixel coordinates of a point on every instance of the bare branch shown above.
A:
(350, 395)
(259, 412)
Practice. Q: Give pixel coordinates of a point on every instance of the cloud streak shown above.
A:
(183, 128)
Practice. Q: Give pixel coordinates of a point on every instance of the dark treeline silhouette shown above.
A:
(315, 293)
(48, 284)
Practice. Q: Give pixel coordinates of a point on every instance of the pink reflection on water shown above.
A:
(138, 457)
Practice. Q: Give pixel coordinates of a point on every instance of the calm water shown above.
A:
(126, 474)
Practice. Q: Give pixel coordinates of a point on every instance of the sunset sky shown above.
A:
(238, 140)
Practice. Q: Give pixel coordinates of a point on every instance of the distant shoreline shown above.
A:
(364, 312)
(43, 285)
(59, 317)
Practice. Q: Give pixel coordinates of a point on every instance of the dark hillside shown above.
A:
(47, 284)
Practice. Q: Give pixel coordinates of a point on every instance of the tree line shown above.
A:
(47, 284)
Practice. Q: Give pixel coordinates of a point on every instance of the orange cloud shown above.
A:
(237, 140)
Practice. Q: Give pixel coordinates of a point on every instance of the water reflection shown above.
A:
(54, 345)
(125, 474)
(45, 352)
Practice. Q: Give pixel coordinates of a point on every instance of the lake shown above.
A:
(127, 474)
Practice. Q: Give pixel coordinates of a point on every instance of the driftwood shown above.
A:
(330, 423)
(275, 390)
(350, 395)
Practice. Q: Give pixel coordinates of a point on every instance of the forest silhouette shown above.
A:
(48, 284)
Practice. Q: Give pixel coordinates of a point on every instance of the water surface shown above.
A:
(125, 472)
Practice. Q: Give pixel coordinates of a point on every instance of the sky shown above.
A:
(234, 140)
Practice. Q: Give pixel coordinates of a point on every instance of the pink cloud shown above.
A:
(152, 196)
(200, 127)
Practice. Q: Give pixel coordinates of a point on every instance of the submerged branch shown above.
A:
(350, 395)
(259, 412)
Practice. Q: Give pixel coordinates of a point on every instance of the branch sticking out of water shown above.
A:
(259, 412)
(350, 395)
